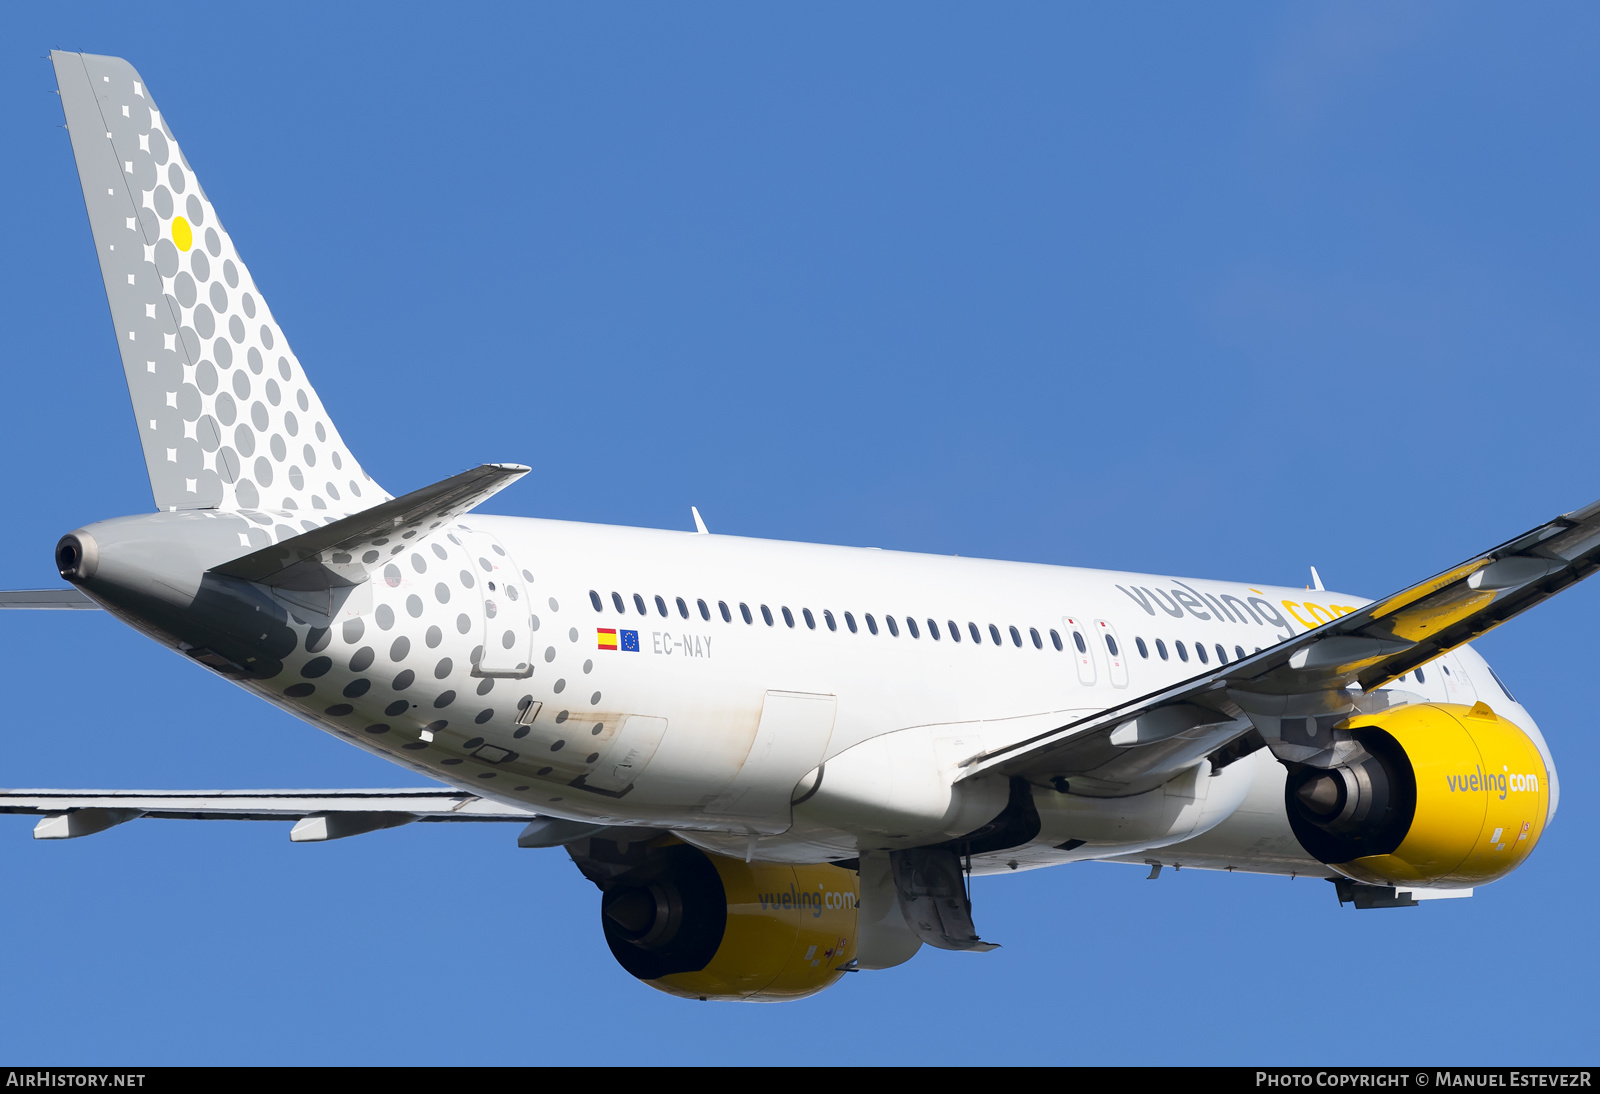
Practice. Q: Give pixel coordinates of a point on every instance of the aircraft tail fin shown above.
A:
(226, 416)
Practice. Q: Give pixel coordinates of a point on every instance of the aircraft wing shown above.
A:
(1295, 691)
(319, 814)
(46, 599)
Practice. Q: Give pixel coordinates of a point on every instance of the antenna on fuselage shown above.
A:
(699, 525)
(1316, 580)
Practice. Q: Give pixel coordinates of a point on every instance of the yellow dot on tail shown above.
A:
(182, 234)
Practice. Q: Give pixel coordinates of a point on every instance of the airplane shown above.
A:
(779, 763)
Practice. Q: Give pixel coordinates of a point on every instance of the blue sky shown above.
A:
(1223, 291)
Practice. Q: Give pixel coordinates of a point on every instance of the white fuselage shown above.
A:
(683, 713)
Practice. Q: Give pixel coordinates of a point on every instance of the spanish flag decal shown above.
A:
(608, 639)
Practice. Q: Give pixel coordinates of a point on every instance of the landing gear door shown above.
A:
(507, 630)
(1078, 647)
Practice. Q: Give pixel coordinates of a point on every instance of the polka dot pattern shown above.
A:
(226, 415)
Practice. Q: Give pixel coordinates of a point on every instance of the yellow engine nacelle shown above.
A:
(708, 927)
(1439, 794)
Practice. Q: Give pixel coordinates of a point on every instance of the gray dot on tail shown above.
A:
(176, 178)
(223, 352)
(258, 415)
(244, 439)
(213, 242)
(230, 274)
(263, 471)
(162, 200)
(219, 298)
(184, 289)
(249, 306)
(166, 258)
(200, 264)
(197, 212)
(245, 491)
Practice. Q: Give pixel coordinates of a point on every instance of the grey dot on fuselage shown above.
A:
(384, 616)
(463, 623)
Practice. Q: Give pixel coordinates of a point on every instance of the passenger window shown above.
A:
(994, 633)
(811, 623)
(1421, 679)
(1238, 653)
(894, 628)
(616, 598)
(744, 611)
(1016, 639)
(1222, 655)
(638, 602)
(683, 609)
(1183, 653)
(705, 612)
(1161, 649)
(850, 621)
(911, 625)
(1111, 645)
(661, 606)
(1077, 640)
(1445, 667)
(872, 624)
(1038, 643)
(1144, 651)
(766, 613)
(727, 616)
(1055, 639)
(827, 617)
(933, 630)
(788, 616)
(594, 598)
(1200, 652)
(972, 628)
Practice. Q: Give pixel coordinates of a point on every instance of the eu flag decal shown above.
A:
(629, 641)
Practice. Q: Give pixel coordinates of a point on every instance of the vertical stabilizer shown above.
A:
(225, 414)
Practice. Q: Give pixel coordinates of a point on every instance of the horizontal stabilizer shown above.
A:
(345, 552)
(48, 600)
